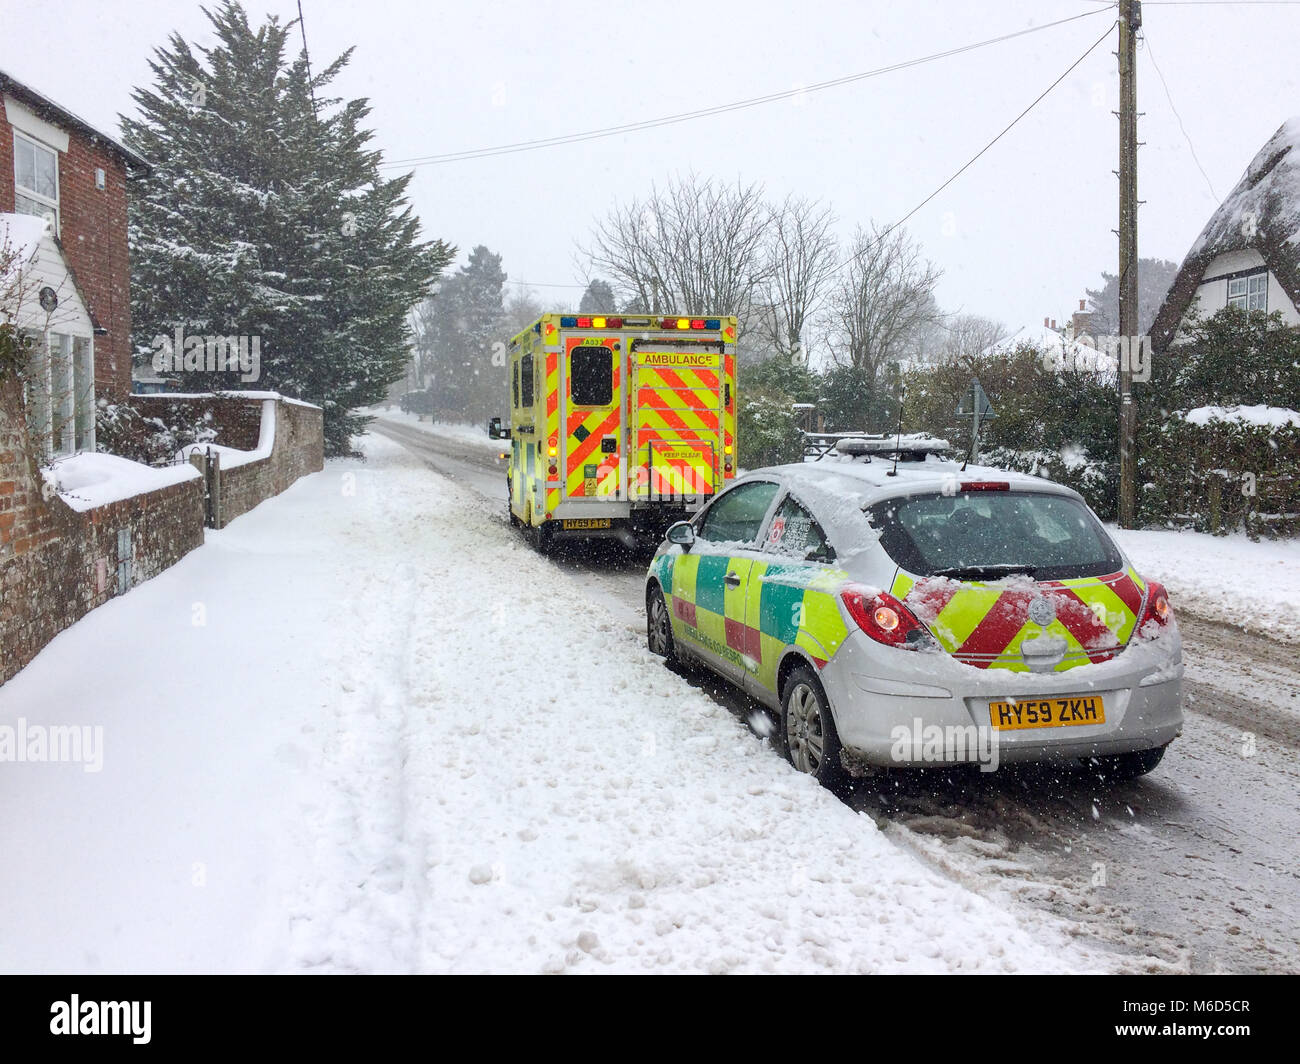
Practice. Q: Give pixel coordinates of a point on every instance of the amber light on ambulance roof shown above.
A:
(691, 323)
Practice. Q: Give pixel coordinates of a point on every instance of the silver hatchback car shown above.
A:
(902, 610)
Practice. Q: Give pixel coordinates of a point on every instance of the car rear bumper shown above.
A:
(904, 708)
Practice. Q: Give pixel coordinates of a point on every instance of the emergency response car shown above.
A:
(619, 424)
(896, 608)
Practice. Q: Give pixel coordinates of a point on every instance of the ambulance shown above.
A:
(620, 425)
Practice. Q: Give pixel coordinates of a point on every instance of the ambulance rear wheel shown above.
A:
(544, 537)
(659, 627)
(807, 730)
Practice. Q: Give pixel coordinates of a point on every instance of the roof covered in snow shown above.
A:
(1069, 352)
(60, 115)
(1262, 212)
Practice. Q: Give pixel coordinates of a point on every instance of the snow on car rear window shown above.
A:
(1051, 536)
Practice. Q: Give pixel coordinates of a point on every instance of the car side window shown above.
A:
(795, 534)
(737, 515)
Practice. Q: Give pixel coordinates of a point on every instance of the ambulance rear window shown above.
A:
(591, 376)
(526, 380)
(1052, 536)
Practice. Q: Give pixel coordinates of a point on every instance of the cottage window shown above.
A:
(61, 395)
(36, 180)
(1250, 292)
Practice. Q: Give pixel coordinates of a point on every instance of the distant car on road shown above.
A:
(419, 403)
(895, 608)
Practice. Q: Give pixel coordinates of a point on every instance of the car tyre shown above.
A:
(659, 626)
(807, 730)
(1126, 766)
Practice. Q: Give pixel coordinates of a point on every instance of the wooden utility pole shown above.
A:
(1130, 21)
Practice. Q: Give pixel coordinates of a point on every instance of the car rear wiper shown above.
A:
(979, 572)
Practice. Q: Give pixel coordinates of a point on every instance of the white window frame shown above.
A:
(1257, 296)
(54, 398)
(32, 194)
(1251, 291)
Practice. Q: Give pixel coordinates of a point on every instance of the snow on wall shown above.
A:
(60, 558)
(90, 527)
(289, 443)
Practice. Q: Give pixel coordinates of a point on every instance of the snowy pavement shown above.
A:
(366, 729)
(1228, 579)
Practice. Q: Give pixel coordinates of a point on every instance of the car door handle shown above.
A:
(732, 580)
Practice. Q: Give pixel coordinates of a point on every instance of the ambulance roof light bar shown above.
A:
(595, 321)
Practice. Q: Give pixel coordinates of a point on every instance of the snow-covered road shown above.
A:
(1195, 868)
(360, 730)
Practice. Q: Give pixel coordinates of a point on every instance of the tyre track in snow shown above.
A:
(1195, 867)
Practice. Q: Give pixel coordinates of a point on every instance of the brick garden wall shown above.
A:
(299, 442)
(58, 564)
(299, 450)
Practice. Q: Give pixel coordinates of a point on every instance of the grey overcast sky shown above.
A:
(1018, 236)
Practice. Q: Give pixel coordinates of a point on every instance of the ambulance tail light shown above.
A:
(885, 619)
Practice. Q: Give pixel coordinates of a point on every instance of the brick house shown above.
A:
(57, 166)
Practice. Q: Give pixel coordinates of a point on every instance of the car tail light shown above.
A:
(985, 485)
(885, 619)
(1156, 608)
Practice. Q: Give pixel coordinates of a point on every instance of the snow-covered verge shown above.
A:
(471, 434)
(1253, 585)
(365, 728)
(86, 481)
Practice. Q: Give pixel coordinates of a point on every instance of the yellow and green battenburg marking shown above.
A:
(985, 625)
(775, 605)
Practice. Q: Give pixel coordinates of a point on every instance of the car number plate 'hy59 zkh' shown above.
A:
(1047, 712)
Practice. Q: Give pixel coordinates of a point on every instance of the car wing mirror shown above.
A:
(682, 533)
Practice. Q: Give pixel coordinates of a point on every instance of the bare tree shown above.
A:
(693, 247)
(522, 308)
(964, 338)
(883, 298)
(801, 259)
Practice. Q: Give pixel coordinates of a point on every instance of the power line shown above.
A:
(705, 112)
(966, 166)
(971, 161)
(1186, 136)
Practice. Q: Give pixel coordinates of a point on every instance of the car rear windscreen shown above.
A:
(1051, 536)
